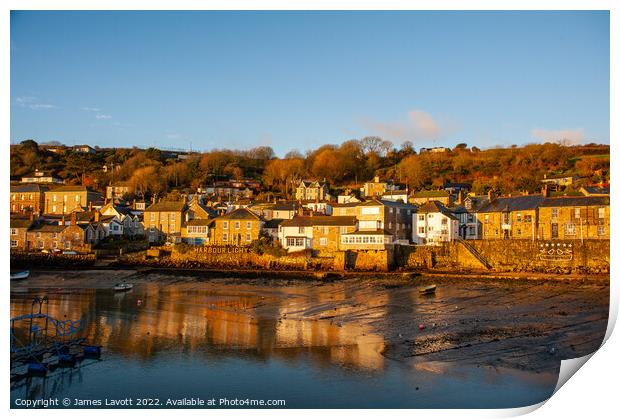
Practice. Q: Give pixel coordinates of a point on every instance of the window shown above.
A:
(577, 212)
(152, 216)
(64, 198)
(518, 232)
(570, 229)
(301, 229)
(470, 218)
(518, 217)
(237, 225)
(77, 198)
(173, 216)
(486, 218)
(54, 235)
(420, 230)
(13, 232)
(14, 243)
(444, 221)
(225, 225)
(601, 213)
(54, 245)
(323, 241)
(248, 237)
(527, 218)
(601, 230)
(38, 234)
(225, 237)
(554, 213)
(54, 198)
(248, 225)
(365, 239)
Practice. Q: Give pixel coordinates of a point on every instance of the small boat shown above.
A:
(20, 275)
(430, 289)
(123, 286)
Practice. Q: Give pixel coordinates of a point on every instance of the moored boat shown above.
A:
(123, 286)
(430, 289)
(20, 275)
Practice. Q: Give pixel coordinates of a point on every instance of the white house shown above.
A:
(434, 224)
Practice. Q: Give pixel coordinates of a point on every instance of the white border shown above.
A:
(593, 393)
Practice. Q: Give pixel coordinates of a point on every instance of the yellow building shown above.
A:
(164, 220)
(311, 191)
(574, 218)
(67, 199)
(240, 228)
(511, 217)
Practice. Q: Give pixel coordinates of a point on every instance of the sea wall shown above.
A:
(237, 258)
(545, 255)
(510, 255)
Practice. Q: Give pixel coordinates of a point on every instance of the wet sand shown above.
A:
(528, 323)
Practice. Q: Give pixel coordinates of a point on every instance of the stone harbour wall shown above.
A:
(546, 255)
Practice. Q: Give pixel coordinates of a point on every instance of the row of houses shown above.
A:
(79, 232)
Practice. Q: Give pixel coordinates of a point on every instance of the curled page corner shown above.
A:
(568, 367)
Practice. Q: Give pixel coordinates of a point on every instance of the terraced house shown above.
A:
(322, 234)
(67, 199)
(163, 221)
(511, 217)
(28, 198)
(574, 218)
(239, 228)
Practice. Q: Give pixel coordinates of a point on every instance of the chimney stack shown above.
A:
(545, 191)
(459, 198)
(490, 195)
(90, 206)
(73, 219)
(97, 214)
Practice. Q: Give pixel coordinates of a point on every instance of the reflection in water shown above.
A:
(279, 343)
(151, 319)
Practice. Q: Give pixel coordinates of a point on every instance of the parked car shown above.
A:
(69, 252)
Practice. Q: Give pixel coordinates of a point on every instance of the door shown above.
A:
(554, 230)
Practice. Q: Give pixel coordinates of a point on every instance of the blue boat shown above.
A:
(36, 368)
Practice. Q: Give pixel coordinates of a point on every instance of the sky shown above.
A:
(202, 80)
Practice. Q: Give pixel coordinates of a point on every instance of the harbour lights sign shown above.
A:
(222, 249)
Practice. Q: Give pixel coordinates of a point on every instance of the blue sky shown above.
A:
(301, 79)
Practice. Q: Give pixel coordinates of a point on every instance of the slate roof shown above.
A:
(29, 187)
(435, 207)
(431, 194)
(513, 203)
(575, 201)
(273, 223)
(597, 190)
(20, 222)
(166, 206)
(200, 222)
(72, 188)
(285, 206)
(48, 228)
(240, 214)
(320, 221)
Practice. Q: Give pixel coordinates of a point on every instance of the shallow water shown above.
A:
(177, 341)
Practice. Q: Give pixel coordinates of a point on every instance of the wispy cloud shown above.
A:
(33, 103)
(89, 109)
(569, 136)
(103, 116)
(173, 136)
(417, 125)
